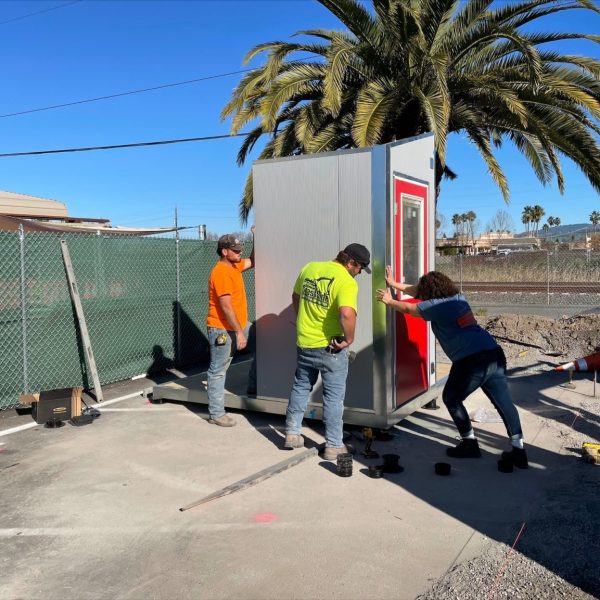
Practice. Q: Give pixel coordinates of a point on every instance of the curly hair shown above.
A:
(435, 285)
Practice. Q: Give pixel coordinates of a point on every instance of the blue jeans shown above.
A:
(485, 370)
(334, 370)
(220, 359)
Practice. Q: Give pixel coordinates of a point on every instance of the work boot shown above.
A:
(332, 453)
(223, 421)
(293, 440)
(466, 448)
(517, 456)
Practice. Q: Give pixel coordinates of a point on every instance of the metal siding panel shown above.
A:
(355, 226)
(296, 217)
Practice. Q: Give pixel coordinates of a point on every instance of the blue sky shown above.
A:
(95, 48)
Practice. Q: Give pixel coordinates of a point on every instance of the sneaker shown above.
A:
(517, 456)
(223, 421)
(293, 440)
(332, 453)
(466, 448)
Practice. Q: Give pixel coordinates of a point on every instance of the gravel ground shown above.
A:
(557, 555)
(500, 573)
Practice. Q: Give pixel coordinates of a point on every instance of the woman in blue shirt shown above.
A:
(477, 360)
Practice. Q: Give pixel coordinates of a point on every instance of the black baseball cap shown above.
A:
(360, 254)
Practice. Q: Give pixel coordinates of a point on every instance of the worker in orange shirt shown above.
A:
(227, 323)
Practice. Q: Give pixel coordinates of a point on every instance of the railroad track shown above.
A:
(531, 287)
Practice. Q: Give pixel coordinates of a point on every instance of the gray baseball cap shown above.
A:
(230, 242)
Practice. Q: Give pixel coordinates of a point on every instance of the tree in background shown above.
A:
(470, 218)
(546, 227)
(440, 222)
(527, 217)
(501, 223)
(537, 212)
(459, 225)
(595, 219)
(553, 221)
(400, 68)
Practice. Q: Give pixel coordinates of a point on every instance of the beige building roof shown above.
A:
(23, 205)
(40, 214)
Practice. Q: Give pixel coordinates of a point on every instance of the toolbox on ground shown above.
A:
(59, 404)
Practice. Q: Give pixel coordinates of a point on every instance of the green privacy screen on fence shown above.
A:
(144, 300)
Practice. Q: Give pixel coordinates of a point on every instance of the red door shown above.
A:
(410, 262)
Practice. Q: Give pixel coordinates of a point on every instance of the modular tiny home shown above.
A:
(310, 207)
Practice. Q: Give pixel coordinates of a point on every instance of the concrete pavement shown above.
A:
(92, 512)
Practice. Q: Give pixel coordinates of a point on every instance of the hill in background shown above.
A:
(562, 232)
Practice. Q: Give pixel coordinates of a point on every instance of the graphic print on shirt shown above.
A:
(317, 290)
(466, 320)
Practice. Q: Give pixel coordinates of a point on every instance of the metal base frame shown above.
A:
(193, 389)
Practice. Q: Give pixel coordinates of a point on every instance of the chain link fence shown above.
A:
(145, 302)
(545, 278)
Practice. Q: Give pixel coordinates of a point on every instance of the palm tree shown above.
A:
(545, 227)
(537, 213)
(527, 217)
(408, 67)
(550, 221)
(458, 222)
(470, 217)
(595, 219)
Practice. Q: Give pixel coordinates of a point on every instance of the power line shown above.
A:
(115, 146)
(39, 12)
(138, 91)
(130, 93)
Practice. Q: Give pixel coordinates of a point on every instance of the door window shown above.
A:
(412, 242)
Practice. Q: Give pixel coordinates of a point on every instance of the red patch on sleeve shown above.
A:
(466, 320)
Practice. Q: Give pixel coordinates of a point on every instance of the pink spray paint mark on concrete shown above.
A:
(265, 517)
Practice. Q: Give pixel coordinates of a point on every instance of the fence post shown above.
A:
(177, 299)
(460, 266)
(548, 277)
(23, 309)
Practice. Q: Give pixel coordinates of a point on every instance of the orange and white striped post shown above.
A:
(587, 363)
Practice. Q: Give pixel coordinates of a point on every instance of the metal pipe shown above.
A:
(177, 292)
(23, 309)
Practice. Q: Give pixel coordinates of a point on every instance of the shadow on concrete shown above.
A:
(556, 497)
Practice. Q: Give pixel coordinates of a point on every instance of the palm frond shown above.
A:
(483, 145)
(374, 103)
(475, 67)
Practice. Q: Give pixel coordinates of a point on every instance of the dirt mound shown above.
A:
(528, 339)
